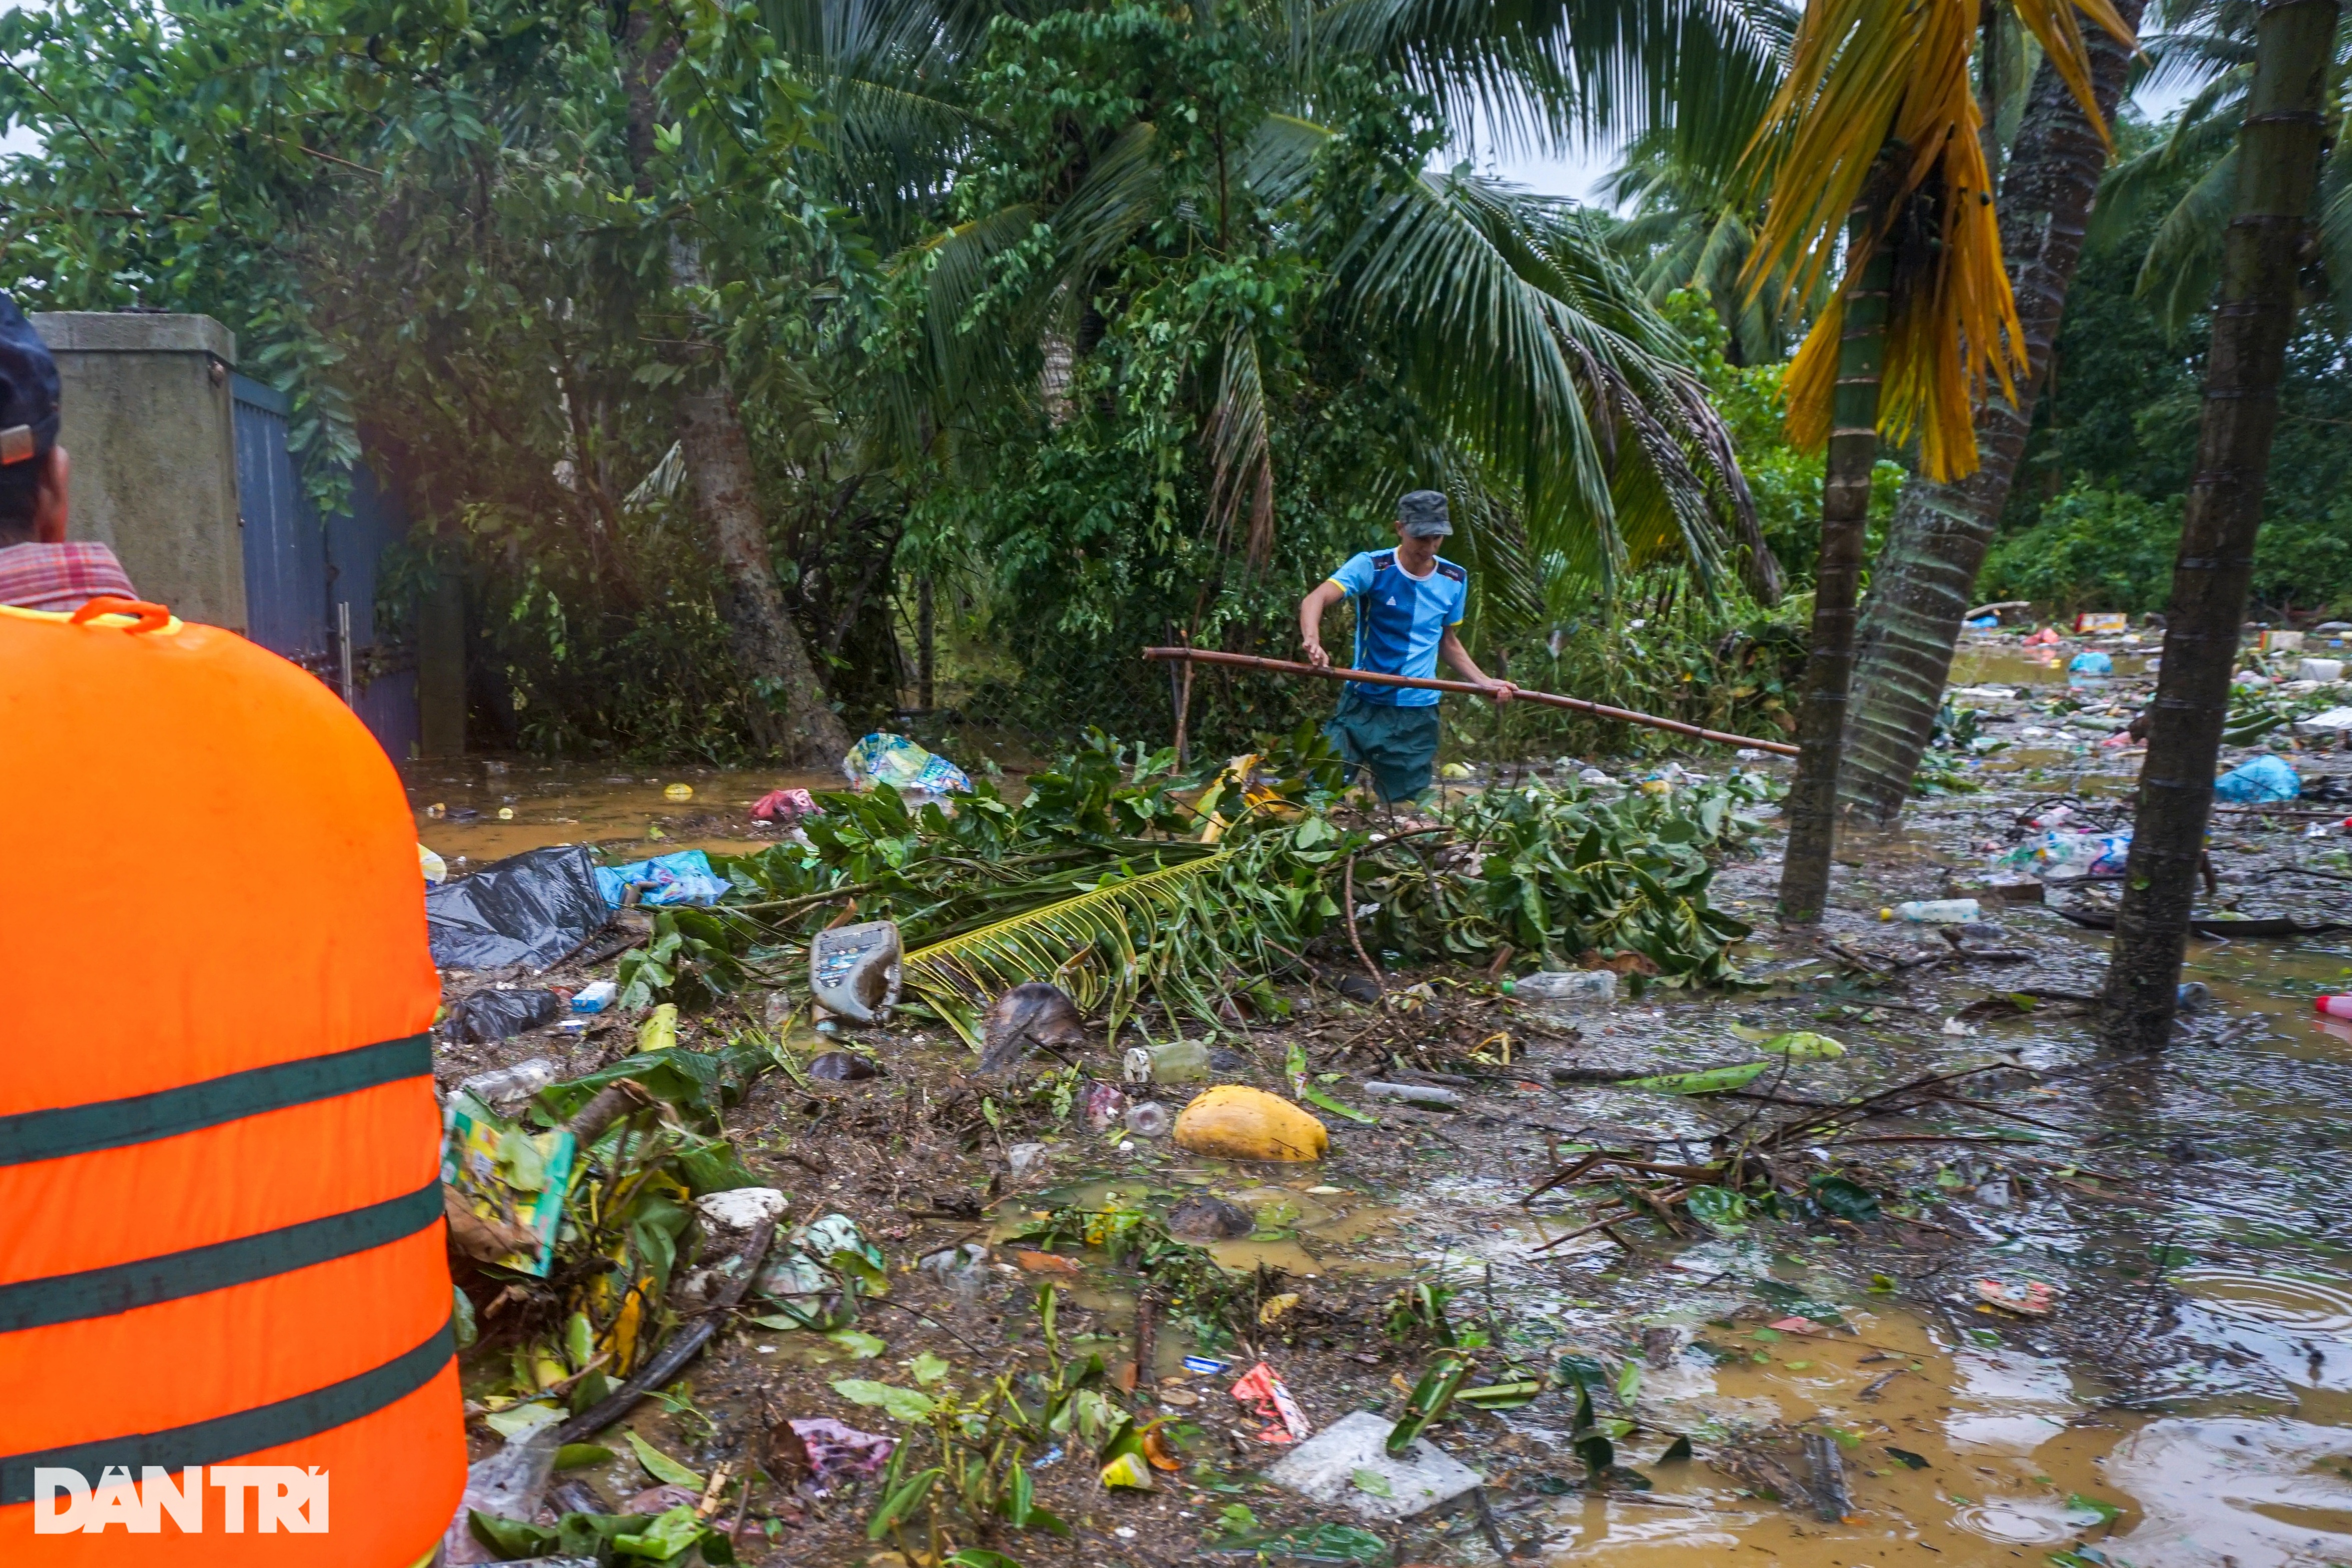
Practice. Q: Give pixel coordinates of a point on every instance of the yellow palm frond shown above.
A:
(1101, 947)
(1877, 117)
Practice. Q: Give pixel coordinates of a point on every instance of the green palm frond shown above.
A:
(1103, 947)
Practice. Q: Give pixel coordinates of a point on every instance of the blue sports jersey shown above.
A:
(1399, 621)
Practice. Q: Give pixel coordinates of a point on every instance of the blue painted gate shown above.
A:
(310, 585)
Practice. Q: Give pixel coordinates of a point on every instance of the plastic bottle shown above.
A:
(1149, 1118)
(510, 1083)
(2333, 1007)
(1933, 911)
(1180, 1061)
(1565, 986)
(2071, 853)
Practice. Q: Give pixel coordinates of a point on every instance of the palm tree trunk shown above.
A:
(1926, 570)
(1829, 668)
(2278, 166)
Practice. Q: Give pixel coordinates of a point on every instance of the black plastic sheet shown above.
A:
(487, 1017)
(527, 909)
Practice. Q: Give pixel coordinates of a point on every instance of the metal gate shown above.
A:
(310, 585)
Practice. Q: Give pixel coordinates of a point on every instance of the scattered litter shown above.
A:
(854, 970)
(1795, 1326)
(1204, 1366)
(1201, 1219)
(2327, 671)
(1934, 911)
(1327, 1468)
(786, 807)
(829, 1452)
(1238, 1122)
(683, 877)
(1270, 1311)
(529, 909)
(487, 1017)
(500, 1085)
(2259, 781)
(594, 996)
(1564, 985)
(1031, 1261)
(2333, 1007)
(509, 1484)
(1178, 1061)
(1413, 1094)
(2335, 719)
(2033, 1298)
(1596, 778)
(2090, 661)
(1100, 1106)
(894, 760)
(2100, 622)
(1129, 1472)
(511, 1181)
(435, 870)
(2071, 855)
(1263, 1394)
(1026, 1157)
(1149, 1119)
(742, 1208)
(844, 1067)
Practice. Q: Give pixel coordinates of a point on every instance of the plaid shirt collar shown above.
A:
(60, 577)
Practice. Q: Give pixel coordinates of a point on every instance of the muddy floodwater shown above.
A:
(2185, 1401)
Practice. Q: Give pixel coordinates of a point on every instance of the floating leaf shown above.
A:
(1717, 1208)
(1628, 1381)
(1803, 1045)
(1680, 1448)
(580, 1456)
(928, 1369)
(859, 1343)
(660, 1466)
(904, 1404)
(2105, 1512)
(1904, 1456)
(1843, 1197)
(1502, 1395)
(1713, 1080)
(1314, 1096)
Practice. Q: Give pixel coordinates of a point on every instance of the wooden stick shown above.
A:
(1545, 698)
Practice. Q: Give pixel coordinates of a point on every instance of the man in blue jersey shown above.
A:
(1408, 603)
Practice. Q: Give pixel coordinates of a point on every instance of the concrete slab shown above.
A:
(1327, 1465)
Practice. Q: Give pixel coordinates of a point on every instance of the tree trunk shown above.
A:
(1928, 568)
(789, 712)
(1845, 514)
(2278, 166)
(926, 645)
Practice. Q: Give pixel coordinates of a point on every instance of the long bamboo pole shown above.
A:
(1548, 700)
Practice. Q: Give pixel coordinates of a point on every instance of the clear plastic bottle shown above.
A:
(1149, 1119)
(1178, 1061)
(1934, 911)
(510, 1083)
(1564, 985)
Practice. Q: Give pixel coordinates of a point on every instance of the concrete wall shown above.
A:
(149, 426)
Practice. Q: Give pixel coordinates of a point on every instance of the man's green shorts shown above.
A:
(1398, 745)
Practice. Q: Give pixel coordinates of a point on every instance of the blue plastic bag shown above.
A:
(882, 758)
(2260, 781)
(2091, 662)
(683, 878)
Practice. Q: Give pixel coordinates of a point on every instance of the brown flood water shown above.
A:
(577, 803)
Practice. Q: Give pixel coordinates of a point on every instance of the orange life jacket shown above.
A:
(221, 1241)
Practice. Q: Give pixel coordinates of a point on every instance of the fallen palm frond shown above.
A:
(1101, 947)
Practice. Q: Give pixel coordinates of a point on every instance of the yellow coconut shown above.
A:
(1243, 1123)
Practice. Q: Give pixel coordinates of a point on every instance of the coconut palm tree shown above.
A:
(1531, 371)
(2211, 44)
(2294, 85)
(1922, 582)
(1873, 155)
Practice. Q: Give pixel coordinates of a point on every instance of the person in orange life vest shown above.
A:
(40, 569)
(225, 1311)
(1409, 605)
